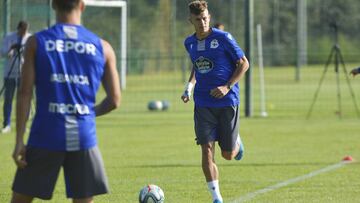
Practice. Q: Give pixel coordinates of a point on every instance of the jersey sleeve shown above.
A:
(186, 45)
(232, 48)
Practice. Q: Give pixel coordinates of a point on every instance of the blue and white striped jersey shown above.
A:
(214, 59)
(69, 65)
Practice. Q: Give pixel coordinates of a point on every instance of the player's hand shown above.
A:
(219, 92)
(185, 97)
(13, 49)
(10, 54)
(19, 155)
(15, 46)
(354, 72)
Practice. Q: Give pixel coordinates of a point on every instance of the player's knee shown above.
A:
(207, 149)
(85, 200)
(228, 155)
(207, 152)
(17, 197)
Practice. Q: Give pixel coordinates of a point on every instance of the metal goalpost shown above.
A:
(123, 38)
(122, 4)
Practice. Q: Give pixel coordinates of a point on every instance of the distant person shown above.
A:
(218, 65)
(11, 49)
(219, 26)
(66, 64)
(355, 71)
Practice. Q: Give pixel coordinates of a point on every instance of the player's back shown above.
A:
(69, 65)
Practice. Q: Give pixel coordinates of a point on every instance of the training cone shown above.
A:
(348, 158)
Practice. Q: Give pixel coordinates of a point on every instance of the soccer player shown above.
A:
(355, 71)
(218, 65)
(11, 50)
(66, 63)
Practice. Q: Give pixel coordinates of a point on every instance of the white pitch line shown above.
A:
(252, 195)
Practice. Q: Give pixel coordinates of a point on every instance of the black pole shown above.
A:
(249, 11)
(338, 80)
(173, 32)
(337, 51)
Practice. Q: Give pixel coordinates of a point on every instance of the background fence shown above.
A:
(158, 64)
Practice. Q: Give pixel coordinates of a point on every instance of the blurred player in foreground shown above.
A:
(66, 64)
(218, 65)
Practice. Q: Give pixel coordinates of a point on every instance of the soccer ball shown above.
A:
(155, 105)
(151, 194)
(165, 105)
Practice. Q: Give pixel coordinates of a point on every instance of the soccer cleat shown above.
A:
(6, 129)
(241, 150)
(217, 201)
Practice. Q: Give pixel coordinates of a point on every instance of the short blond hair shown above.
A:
(197, 7)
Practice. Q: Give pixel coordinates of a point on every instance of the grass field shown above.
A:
(141, 147)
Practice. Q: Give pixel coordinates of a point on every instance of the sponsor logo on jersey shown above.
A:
(203, 65)
(67, 46)
(65, 78)
(214, 44)
(68, 108)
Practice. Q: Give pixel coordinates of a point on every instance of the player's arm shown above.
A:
(110, 82)
(23, 101)
(189, 87)
(355, 71)
(4, 47)
(192, 78)
(242, 65)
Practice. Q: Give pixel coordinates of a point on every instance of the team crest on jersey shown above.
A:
(214, 44)
(203, 65)
(70, 32)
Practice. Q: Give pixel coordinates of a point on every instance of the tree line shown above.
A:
(157, 28)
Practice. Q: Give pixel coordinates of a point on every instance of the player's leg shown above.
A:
(229, 139)
(8, 97)
(205, 130)
(20, 198)
(208, 162)
(85, 200)
(85, 175)
(210, 170)
(229, 155)
(237, 152)
(240, 152)
(38, 178)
